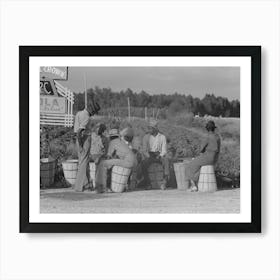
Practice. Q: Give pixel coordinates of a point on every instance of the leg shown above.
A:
(194, 166)
(78, 149)
(82, 181)
(104, 167)
(144, 167)
(101, 176)
(166, 171)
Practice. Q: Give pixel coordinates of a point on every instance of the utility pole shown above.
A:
(145, 113)
(85, 84)
(157, 114)
(128, 104)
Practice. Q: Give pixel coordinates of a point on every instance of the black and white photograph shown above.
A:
(140, 139)
(143, 135)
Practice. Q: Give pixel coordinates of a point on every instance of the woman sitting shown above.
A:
(210, 150)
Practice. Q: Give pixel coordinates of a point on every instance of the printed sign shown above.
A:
(46, 88)
(53, 72)
(52, 104)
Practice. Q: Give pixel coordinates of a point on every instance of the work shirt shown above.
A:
(158, 144)
(96, 147)
(119, 149)
(81, 120)
(212, 143)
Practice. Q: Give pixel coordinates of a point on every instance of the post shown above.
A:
(145, 113)
(157, 113)
(85, 84)
(128, 104)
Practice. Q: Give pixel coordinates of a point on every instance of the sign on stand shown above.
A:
(56, 101)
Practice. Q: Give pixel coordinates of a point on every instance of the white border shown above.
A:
(245, 133)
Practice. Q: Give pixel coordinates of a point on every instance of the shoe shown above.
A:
(163, 186)
(89, 190)
(107, 191)
(95, 192)
(164, 183)
(194, 189)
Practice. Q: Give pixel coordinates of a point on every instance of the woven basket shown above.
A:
(155, 172)
(119, 178)
(207, 179)
(183, 182)
(70, 169)
(47, 171)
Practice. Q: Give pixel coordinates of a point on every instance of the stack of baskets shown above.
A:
(47, 171)
(119, 178)
(70, 169)
(180, 169)
(207, 179)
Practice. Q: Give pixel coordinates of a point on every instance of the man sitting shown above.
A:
(155, 150)
(118, 154)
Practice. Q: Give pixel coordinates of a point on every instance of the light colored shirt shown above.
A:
(119, 149)
(158, 144)
(81, 120)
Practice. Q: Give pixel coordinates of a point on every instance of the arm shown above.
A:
(84, 121)
(163, 147)
(111, 149)
(146, 145)
(203, 145)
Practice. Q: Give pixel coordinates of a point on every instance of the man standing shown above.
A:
(155, 150)
(83, 132)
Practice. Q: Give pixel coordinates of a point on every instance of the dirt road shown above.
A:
(144, 201)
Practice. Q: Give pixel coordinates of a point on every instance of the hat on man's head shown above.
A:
(153, 123)
(128, 131)
(210, 125)
(93, 107)
(114, 132)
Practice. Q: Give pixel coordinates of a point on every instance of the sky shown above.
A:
(197, 81)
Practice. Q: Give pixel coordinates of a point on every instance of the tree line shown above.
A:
(170, 103)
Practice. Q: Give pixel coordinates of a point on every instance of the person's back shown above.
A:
(213, 143)
(119, 149)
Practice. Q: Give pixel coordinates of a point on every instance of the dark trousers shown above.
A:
(83, 178)
(164, 161)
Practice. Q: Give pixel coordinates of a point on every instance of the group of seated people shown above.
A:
(117, 149)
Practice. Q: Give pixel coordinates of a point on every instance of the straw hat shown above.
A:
(114, 132)
(128, 131)
(153, 123)
(93, 107)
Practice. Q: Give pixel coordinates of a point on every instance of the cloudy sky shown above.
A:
(197, 81)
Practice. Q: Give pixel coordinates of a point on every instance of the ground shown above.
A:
(66, 200)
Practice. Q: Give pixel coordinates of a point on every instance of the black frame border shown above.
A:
(252, 51)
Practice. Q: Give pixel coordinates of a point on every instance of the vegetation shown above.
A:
(180, 119)
(184, 139)
(116, 103)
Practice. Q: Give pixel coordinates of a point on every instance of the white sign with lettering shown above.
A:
(51, 72)
(52, 104)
